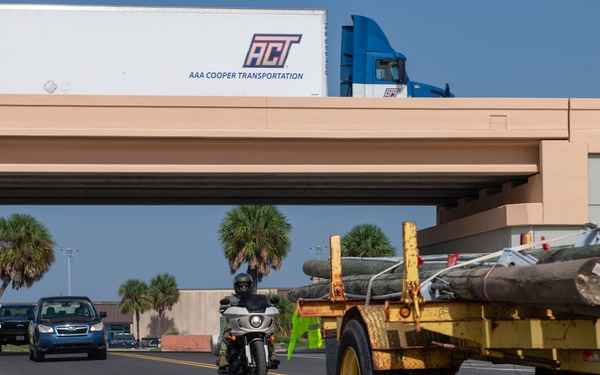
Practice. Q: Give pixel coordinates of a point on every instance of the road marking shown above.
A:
(169, 360)
(161, 359)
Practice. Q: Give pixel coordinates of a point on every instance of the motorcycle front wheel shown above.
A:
(257, 348)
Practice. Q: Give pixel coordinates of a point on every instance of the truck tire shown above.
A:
(257, 350)
(354, 354)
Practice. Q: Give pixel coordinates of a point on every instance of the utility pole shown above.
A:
(69, 253)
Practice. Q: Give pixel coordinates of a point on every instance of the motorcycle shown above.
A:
(251, 323)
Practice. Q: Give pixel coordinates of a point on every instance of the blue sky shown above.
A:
(518, 49)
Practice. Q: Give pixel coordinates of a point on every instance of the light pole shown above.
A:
(69, 254)
(318, 250)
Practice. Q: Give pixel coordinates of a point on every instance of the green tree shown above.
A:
(164, 293)
(367, 240)
(283, 322)
(26, 251)
(257, 235)
(134, 299)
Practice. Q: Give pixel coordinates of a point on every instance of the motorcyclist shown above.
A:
(242, 285)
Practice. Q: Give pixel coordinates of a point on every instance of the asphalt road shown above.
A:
(155, 363)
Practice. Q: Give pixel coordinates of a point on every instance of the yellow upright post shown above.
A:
(411, 285)
(336, 287)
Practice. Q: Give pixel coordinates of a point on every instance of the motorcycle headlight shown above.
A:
(256, 321)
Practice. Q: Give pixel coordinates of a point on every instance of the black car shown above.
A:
(67, 325)
(14, 323)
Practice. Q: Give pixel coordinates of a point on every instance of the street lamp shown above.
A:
(69, 253)
(318, 250)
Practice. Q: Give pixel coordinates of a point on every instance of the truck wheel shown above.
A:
(257, 349)
(354, 354)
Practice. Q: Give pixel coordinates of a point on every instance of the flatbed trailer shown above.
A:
(414, 336)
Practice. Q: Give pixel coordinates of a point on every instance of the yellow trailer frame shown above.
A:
(414, 334)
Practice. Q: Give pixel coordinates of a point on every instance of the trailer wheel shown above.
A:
(354, 354)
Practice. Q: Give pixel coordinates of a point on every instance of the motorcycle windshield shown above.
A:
(254, 303)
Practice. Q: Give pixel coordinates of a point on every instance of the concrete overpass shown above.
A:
(492, 167)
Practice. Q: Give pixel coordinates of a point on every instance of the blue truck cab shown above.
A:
(371, 68)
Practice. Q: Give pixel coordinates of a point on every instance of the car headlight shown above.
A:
(45, 329)
(256, 321)
(97, 327)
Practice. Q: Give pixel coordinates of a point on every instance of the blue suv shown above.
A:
(62, 325)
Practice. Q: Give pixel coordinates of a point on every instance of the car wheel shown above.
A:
(101, 354)
(30, 355)
(37, 356)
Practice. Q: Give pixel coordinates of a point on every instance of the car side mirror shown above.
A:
(103, 314)
(30, 316)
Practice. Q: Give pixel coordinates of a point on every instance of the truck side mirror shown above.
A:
(402, 70)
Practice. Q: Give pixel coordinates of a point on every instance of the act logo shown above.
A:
(269, 50)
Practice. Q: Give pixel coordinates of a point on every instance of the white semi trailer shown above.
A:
(104, 50)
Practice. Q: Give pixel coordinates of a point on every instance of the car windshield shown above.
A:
(7, 311)
(58, 309)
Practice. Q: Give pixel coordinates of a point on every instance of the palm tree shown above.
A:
(367, 240)
(134, 299)
(26, 251)
(163, 293)
(258, 235)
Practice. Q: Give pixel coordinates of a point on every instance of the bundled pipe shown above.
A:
(566, 279)
(565, 286)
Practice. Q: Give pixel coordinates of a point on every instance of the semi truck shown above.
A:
(417, 331)
(169, 51)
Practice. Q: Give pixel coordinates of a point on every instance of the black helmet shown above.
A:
(242, 283)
